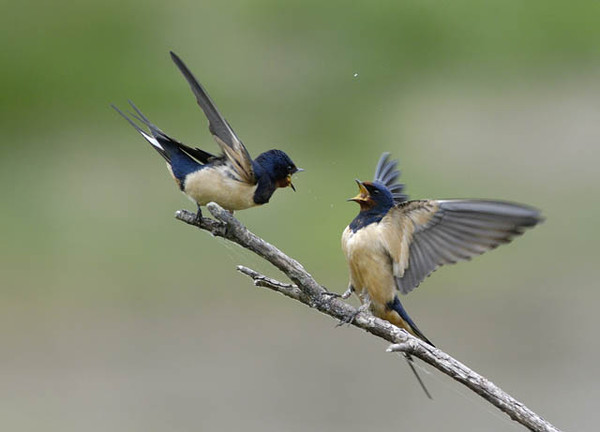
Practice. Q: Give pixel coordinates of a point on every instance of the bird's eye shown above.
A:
(290, 168)
(376, 192)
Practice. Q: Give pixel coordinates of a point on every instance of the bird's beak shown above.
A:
(289, 178)
(363, 193)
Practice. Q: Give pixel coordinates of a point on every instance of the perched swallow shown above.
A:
(393, 243)
(232, 179)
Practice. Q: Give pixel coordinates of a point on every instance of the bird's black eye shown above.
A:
(375, 191)
(290, 168)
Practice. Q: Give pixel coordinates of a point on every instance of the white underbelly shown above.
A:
(209, 184)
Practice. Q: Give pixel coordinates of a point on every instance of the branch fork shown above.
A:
(307, 290)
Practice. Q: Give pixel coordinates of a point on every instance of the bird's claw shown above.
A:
(350, 318)
(331, 294)
(347, 293)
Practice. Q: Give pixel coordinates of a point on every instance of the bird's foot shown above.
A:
(348, 293)
(331, 294)
(344, 296)
(350, 318)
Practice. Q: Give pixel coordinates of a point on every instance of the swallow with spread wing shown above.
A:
(232, 179)
(393, 243)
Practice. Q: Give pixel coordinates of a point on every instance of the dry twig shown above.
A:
(309, 292)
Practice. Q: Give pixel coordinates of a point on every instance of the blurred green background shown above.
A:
(114, 316)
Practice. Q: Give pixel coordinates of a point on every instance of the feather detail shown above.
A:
(448, 231)
(387, 174)
(230, 144)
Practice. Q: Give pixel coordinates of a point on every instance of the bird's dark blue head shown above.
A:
(278, 166)
(373, 197)
(375, 201)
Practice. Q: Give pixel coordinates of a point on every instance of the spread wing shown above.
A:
(387, 174)
(232, 146)
(428, 234)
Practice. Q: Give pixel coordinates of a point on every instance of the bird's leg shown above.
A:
(348, 292)
(362, 308)
(344, 296)
(198, 214)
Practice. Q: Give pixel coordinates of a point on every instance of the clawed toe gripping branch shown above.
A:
(306, 290)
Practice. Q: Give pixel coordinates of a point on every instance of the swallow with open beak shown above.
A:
(232, 179)
(393, 243)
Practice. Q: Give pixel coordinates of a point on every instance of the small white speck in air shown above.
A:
(355, 74)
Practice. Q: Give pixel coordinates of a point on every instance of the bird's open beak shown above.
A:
(289, 178)
(288, 182)
(363, 193)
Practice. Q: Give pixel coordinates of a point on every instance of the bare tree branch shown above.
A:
(309, 292)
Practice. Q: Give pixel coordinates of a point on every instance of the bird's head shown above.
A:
(373, 196)
(279, 167)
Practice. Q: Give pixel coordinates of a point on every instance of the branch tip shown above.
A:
(311, 293)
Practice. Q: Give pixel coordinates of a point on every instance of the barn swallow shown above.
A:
(393, 243)
(232, 179)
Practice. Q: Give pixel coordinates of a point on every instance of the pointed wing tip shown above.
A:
(540, 219)
(535, 214)
(536, 219)
(175, 57)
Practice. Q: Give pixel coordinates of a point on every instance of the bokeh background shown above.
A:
(115, 316)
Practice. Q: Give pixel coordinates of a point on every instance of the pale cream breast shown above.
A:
(210, 184)
(370, 263)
